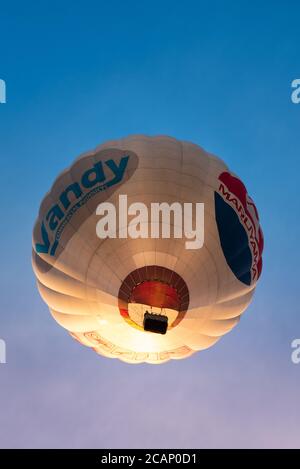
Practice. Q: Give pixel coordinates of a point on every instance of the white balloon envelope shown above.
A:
(146, 298)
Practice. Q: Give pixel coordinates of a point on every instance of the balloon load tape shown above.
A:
(157, 323)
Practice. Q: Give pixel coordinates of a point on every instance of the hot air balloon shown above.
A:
(146, 298)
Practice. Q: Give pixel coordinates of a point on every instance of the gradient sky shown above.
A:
(218, 74)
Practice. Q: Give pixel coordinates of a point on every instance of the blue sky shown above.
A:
(218, 74)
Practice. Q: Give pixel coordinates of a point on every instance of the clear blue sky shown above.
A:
(218, 74)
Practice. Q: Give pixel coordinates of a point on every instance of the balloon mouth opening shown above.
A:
(153, 299)
(156, 294)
